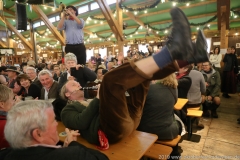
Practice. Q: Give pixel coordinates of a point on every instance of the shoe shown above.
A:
(200, 48)
(199, 125)
(205, 113)
(225, 95)
(214, 114)
(179, 42)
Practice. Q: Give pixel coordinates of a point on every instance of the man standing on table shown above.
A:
(113, 114)
(73, 27)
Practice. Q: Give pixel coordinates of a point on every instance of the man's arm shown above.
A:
(89, 75)
(61, 22)
(78, 117)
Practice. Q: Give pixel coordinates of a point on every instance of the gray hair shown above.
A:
(22, 119)
(70, 57)
(63, 91)
(5, 93)
(43, 72)
(31, 68)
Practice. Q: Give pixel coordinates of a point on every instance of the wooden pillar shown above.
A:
(33, 41)
(224, 31)
(120, 41)
(223, 13)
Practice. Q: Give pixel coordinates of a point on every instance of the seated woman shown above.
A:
(30, 89)
(100, 71)
(158, 116)
(6, 103)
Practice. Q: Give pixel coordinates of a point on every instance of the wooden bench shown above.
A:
(132, 147)
(158, 151)
(191, 113)
(180, 103)
(171, 143)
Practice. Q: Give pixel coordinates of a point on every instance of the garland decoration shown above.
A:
(100, 19)
(181, 1)
(233, 12)
(127, 34)
(122, 6)
(103, 36)
(191, 24)
(36, 2)
(96, 18)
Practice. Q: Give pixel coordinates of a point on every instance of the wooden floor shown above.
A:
(220, 138)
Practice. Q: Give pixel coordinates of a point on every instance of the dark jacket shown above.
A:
(53, 92)
(85, 119)
(33, 91)
(83, 76)
(158, 116)
(75, 151)
(214, 83)
(230, 62)
(38, 83)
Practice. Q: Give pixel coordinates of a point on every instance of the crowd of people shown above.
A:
(134, 94)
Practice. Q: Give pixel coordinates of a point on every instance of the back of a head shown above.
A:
(22, 119)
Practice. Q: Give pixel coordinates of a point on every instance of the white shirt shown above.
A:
(216, 59)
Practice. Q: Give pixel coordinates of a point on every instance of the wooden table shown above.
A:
(131, 148)
(180, 103)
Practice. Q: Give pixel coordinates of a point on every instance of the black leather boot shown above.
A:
(179, 42)
(201, 54)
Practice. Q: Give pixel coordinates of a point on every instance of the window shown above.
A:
(89, 53)
(37, 24)
(111, 2)
(57, 18)
(94, 6)
(103, 52)
(28, 27)
(143, 48)
(83, 9)
(42, 23)
(52, 19)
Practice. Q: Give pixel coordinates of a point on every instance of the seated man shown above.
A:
(50, 87)
(31, 131)
(111, 114)
(213, 84)
(32, 73)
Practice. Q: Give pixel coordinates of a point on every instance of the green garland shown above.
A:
(235, 12)
(181, 1)
(127, 34)
(38, 2)
(101, 19)
(103, 36)
(95, 18)
(122, 6)
(191, 24)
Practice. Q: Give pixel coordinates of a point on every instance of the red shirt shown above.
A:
(3, 142)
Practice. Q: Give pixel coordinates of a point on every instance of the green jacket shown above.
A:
(214, 82)
(85, 119)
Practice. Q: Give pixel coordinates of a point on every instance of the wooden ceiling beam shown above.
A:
(110, 19)
(50, 26)
(9, 11)
(2, 44)
(13, 29)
